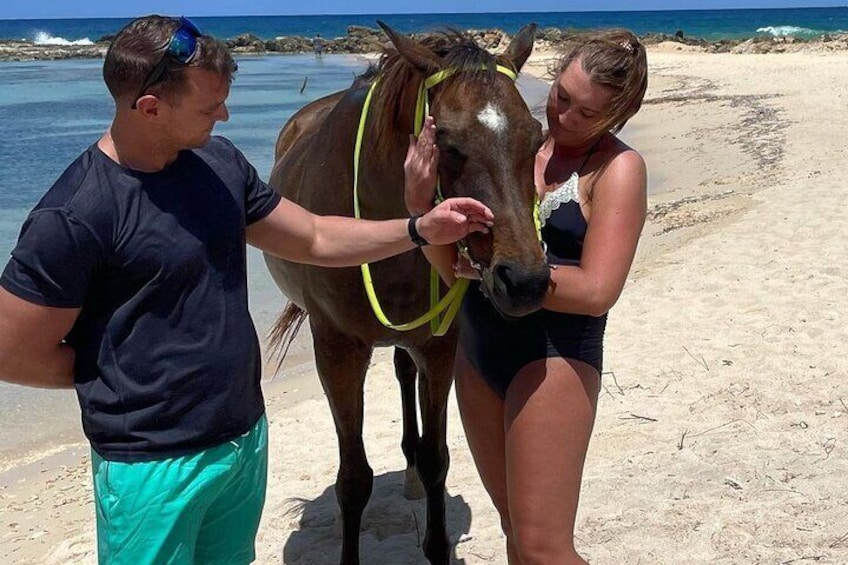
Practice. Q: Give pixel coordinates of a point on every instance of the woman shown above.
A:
(528, 389)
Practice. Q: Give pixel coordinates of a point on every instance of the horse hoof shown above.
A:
(413, 488)
(437, 550)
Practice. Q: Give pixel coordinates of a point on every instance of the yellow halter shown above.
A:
(449, 304)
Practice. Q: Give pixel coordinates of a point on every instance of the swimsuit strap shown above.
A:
(589, 154)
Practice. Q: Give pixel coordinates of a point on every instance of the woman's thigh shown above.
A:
(481, 410)
(549, 415)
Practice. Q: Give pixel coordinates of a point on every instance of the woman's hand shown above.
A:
(421, 170)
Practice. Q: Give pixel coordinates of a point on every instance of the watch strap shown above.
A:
(413, 232)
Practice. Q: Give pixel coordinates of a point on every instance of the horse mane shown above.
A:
(399, 79)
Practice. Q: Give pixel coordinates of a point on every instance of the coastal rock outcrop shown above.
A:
(246, 43)
(28, 51)
(361, 39)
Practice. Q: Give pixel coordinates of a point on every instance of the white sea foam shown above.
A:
(791, 31)
(44, 38)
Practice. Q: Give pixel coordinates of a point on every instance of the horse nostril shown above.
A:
(522, 283)
(506, 274)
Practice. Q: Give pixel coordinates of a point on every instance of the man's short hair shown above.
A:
(140, 45)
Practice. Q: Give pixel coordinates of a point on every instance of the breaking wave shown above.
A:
(792, 31)
(44, 38)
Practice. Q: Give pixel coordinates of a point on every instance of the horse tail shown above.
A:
(283, 332)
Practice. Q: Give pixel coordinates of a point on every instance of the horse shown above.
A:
(487, 140)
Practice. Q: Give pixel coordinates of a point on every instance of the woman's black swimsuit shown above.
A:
(498, 347)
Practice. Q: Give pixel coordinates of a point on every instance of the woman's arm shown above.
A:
(619, 206)
(420, 175)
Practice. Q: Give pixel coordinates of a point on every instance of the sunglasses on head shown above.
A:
(181, 47)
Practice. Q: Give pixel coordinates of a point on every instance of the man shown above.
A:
(318, 45)
(128, 282)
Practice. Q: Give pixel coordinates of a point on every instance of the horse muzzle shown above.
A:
(514, 289)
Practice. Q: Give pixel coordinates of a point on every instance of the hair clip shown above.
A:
(627, 45)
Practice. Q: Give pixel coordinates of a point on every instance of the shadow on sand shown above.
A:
(392, 527)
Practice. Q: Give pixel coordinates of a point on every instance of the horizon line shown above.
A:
(334, 14)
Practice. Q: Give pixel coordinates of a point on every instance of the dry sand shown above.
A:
(722, 423)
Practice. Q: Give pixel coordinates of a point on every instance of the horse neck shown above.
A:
(384, 147)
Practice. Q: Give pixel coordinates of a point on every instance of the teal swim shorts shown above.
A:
(201, 508)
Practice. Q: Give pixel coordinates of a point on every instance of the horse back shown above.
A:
(314, 154)
(307, 119)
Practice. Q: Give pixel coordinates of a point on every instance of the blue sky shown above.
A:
(121, 8)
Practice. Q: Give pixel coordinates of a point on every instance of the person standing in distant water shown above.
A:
(318, 45)
(528, 388)
(129, 283)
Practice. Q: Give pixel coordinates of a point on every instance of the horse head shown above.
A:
(487, 140)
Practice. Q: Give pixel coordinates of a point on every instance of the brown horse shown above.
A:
(487, 139)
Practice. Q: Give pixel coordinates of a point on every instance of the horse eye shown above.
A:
(451, 151)
(452, 161)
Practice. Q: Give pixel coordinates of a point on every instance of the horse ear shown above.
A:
(422, 58)
(521, 46)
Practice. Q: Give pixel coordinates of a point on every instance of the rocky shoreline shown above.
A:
(370, 40)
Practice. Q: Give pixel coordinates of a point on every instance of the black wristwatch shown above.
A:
(413, 232)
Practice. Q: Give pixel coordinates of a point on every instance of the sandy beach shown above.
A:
(722, 421)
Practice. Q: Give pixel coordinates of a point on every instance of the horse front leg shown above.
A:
(406, 373)
(342, 363)
(436, 376)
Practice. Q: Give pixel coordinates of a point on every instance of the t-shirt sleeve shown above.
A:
(260, 199)
(54, 260)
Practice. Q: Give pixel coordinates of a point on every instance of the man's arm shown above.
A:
(31, 348)
(293, 233)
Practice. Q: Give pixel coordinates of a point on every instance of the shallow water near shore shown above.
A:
(51, 111)
(707, 24)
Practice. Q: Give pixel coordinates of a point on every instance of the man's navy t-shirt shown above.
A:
(167, 358)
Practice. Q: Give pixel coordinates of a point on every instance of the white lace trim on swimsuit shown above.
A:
(565, 192)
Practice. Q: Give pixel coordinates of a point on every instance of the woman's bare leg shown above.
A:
(549, 413)
(482, 412)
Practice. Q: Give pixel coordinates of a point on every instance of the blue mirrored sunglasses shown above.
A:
(181, 47)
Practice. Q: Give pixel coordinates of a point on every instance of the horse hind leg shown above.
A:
(406, 373)
(343, 378)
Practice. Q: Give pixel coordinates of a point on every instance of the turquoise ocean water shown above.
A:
(51, 111)
(709, 24)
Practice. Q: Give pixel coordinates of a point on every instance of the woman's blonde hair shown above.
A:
(615, 59)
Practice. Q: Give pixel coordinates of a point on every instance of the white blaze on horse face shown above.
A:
(492, 118)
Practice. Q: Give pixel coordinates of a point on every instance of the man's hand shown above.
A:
(421, 170)
(453, 220)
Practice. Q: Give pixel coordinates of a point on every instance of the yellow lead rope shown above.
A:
(450, 303)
